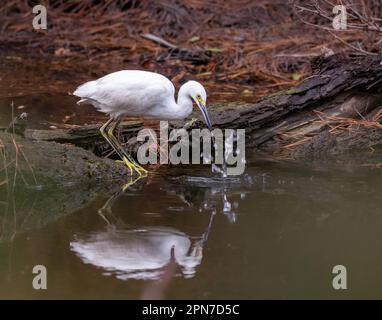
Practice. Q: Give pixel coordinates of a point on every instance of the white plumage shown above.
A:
(140, 94)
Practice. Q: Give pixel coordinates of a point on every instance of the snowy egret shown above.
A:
(143, 94)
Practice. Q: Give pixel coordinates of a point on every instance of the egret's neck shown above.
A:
(183, 107)
(173, 110)
(184, 102)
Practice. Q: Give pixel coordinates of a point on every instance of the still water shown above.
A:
(183, 233)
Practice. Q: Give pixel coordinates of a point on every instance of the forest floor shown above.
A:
(240, 50)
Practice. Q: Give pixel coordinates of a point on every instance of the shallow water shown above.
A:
(185, 233)
(47, 110)
(275, 232)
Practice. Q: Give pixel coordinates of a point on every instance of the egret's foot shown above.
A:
(128, 164)
(140, 170)
(134, 167)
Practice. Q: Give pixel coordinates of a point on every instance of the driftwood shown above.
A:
(314, 117)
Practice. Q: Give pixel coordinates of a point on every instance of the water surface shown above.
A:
(275, 232)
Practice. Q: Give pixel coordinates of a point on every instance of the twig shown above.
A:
(159, 40)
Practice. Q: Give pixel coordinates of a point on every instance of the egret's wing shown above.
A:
(130, 92)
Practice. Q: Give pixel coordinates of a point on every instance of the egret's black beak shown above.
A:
(203, 108)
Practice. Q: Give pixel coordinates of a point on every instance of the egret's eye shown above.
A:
(198, 96)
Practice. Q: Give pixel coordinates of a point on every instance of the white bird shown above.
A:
(140, 93)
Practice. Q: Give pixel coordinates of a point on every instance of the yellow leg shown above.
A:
(116, 149)
(126, 158)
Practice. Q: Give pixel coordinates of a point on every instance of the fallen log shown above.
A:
(340, 91)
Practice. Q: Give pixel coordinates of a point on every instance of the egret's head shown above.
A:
(197, 93)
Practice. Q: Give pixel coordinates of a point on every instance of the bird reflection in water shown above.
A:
(139, 253)
(144, 252)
